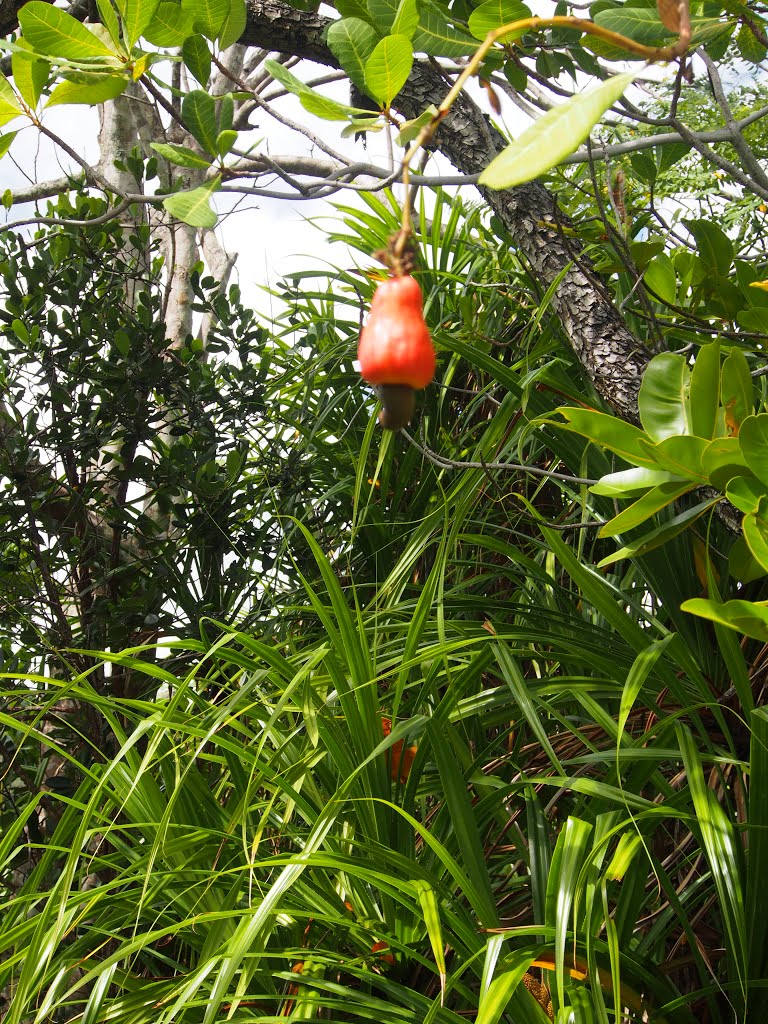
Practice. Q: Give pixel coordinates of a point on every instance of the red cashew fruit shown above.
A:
(395, 351)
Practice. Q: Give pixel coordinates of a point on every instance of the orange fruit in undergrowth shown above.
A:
(396, 353)
(399, 757)
(379, 947)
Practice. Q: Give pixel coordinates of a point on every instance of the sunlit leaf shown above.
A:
(194, 207)
(56, 33)
(388, 67)
(554, 136)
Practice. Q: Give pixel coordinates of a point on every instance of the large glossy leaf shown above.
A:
(722, 460)
(661, 280)
(608, 431)
(753, 439)
(553, 136)
(406, 19)
(388, 67)
(755, 527)
(663, 397)
(745, 493)
(712, 244)
(736, 390)
(628, 483)
(645, 507)
(681, 454)
(54, 32)
(705, 391)
(493, 14)
(352, 41)
(748, 617)
(326, 108)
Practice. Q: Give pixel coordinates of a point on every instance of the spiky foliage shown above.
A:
(446, 769)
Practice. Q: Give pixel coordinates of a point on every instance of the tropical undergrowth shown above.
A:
(447, 770)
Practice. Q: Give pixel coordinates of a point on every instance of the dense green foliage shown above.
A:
(306, 720)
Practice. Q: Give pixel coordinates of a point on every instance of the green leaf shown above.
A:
(9, 105)
(225, 141)
(745, 492)
(5, 142)
(406, 19)
(755, 527)
(748, 617)
(170, 25)
(704, 395)
(495, 1000)
(181, 156)
(102, 88)
(194, 207)
(197, 57)
(724, 852)
(493, 14)
(661, 535)
(563, 887)
(750, 48)
(680, 454)
(353, 9)
(553, 136)
(208, 16)
(736, 390)
(327, 109)
(57, 34)
(382, 14)
(234, 23)
(608, 431)
(137, 15)
(753, 439)
(663, 397)
(640, 24)
(742, 564)
(352, 41)
(30, 74)
(661, 280)
(198, 110)
(388, 68)
(713, 245)
(410, 129)
(436, 37)
(110, 21)
(515, 680)
(645, 507)
(628, 483)
(723, 460)
(286, 78)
